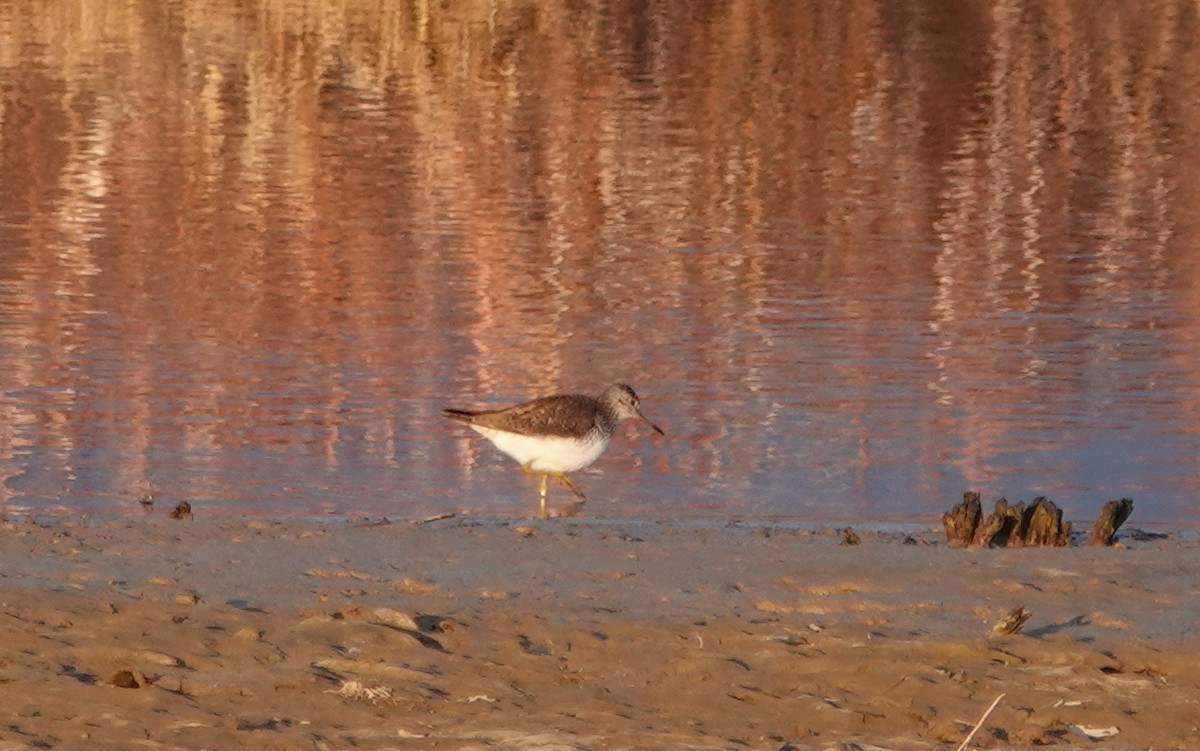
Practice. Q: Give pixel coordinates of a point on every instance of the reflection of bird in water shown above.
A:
(555, 435)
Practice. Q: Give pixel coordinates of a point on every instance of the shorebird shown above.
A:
(555, 435)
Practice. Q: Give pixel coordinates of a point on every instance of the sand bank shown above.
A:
(581, 634)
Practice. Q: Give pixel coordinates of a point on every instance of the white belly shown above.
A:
(547, 453)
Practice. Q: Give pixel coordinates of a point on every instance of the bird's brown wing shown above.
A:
(563, 415)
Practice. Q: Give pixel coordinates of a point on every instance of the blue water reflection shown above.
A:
(855, 259)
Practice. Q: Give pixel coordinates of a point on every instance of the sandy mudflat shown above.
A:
(582, 634)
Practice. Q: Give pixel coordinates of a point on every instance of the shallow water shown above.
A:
(856, 257)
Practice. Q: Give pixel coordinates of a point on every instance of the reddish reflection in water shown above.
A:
(856, 257)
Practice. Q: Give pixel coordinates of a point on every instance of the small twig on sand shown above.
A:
(979, 724)
(434, 518)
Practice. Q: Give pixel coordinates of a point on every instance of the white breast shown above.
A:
(548, 453)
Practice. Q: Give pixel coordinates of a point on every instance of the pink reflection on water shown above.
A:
(855, 259)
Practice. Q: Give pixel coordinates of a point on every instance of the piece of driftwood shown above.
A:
(1040, 524)
(962, 520)
(1004, 526)
(1012, 621)
(1044, 526)
(1112, 516)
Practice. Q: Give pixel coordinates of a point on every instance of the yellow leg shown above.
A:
(544, 477)
(571, 484)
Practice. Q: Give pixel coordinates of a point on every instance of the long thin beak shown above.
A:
(652, 425)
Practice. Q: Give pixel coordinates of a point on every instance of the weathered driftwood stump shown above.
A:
(962, 520)
(1112, 516)
(1002, 527)
(1043, 525)
(1038, 524)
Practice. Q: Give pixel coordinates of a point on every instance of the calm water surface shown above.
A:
(857, 257)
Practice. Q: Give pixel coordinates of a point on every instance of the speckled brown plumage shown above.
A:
(564, 415)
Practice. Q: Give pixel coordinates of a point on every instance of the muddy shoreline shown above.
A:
(583, 634)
